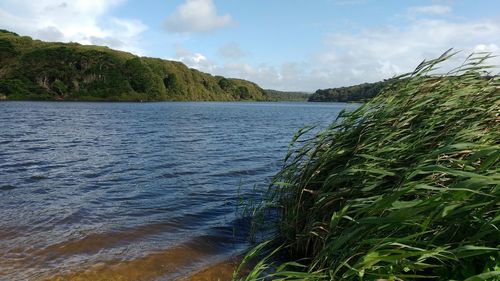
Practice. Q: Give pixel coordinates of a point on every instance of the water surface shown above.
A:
(134, 191)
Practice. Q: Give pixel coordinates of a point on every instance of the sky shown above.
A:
(294, 45)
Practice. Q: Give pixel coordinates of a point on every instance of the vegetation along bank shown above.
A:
(405, 187)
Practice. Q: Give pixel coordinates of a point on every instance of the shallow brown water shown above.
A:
(164, 266)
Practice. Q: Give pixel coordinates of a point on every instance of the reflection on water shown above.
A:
(129, 191)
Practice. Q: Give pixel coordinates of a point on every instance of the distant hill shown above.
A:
(356, 93)
(36, 70)
(275, 95)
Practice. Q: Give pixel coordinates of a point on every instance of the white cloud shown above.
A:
(196, 16)
(50, 33)
(383, 52)
(370, 55)
(83, 21)
(489, 48)
(432, 9)
(380, 53)
(289, 76)
(194, 60)
(231, 51)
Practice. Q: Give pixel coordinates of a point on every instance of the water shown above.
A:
(103, 191)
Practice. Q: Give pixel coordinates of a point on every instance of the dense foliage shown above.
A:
(32, 69)
(275, 95)
(356, 93)
(405, 187)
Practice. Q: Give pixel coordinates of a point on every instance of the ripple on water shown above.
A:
(103, 191)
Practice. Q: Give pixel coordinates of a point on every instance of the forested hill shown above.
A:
(356, 93)
(37, 70)
(275, 95)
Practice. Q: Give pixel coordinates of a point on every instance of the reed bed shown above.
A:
(405, 187)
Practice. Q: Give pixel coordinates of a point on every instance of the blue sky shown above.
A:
(280, 44)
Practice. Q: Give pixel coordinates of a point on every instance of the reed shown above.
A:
(404, 187)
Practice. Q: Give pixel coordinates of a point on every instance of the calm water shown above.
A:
(102, 191)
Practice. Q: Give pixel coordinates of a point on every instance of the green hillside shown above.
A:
(36, 70)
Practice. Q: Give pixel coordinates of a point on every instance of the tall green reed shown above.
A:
(404, 187)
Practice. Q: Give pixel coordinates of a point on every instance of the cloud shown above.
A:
(231, 51)
(379, 53)
(370, 55)
(383, 52)
(432, 9)
(489, 48)
(82, 21)
(50, 33)
(194, 60)
(289, 76)
(196, 16)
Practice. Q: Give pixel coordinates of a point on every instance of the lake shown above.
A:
(102, 191)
